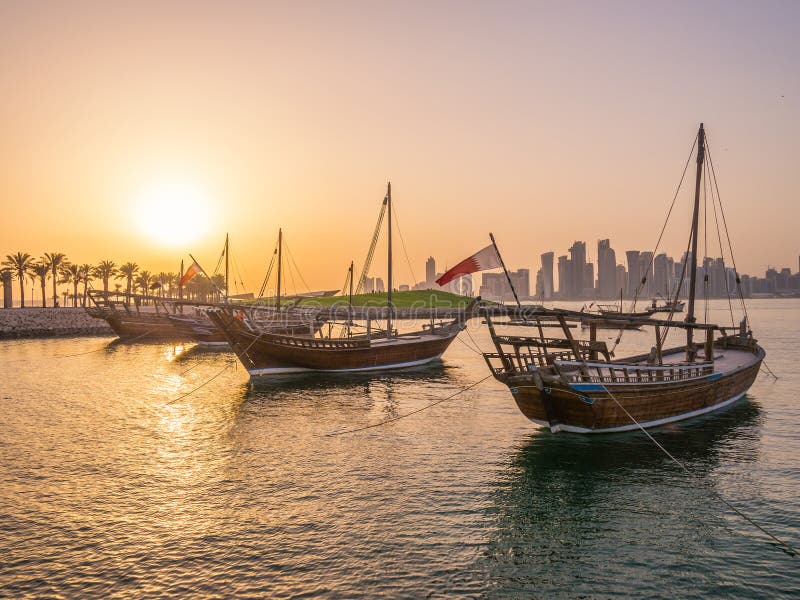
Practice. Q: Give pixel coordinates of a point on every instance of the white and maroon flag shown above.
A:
(480, 261)
(193, 270)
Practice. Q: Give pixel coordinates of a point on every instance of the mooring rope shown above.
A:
(470, 348)
(220, 372)
(791, 551)
(768, 370)
(202, 385)
(408, 414)
(133, 339)
(100, 349)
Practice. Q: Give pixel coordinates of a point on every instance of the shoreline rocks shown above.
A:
(49, 322)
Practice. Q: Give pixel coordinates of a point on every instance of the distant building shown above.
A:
(621, 280)
(577, 254)
(547, 277)
(564, 277)
(403, 288)
(634, 276)
(369, 285)
(646, 272)
(606, 270)
(661, 275)
(430, 272)
(494, 286)
(588, 281)
(379, 286)
(539, 289)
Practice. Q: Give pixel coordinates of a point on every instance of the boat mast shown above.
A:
(350, 302)
(280, 243)
(690, 318)
(389, 278)
(503, 264)
(227, 266)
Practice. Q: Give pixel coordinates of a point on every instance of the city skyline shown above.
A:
(137, 132)
(606, 285)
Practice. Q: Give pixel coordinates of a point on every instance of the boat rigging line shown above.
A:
(231, 363)
(408, 414)
(640, 286)
(292, 261)
(269, 271)
(376, 234)
(403, 243)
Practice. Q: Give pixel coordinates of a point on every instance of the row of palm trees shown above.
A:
(56, 267)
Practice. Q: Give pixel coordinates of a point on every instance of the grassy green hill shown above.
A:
(418, 298)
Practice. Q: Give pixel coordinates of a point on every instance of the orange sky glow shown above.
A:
(144, 131)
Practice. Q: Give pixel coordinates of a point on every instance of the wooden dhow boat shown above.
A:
(150, 317)
(201, 329)
(135, 316)
(575, 385)
(667, 305)
(266, 353)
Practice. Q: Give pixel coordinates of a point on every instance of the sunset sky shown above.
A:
(544, 123)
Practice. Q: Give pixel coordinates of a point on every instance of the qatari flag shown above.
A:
(480, 261)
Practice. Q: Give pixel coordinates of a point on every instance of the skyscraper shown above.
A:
(660, 275)
(578, 259)
(634, 277)
(588, 281)
(606, 270)
(646, 272)
(564, 277)
(547, 276)
(430, 272)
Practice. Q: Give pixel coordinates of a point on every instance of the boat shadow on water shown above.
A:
(343, 400)
(564, 500)
(266, 388)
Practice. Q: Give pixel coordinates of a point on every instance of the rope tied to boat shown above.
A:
(231, 363)
(408, 414)
(785, 546)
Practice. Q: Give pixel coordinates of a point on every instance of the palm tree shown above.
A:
(163, 281)
(86, 275)
(42, 271)
(54, 260)
(218, 282)
(71, 274)
(19, 263)
(105, 270)
(171, 280)
(143, 281)
(128, 270)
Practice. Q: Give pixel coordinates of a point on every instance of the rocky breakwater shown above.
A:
(49, 322)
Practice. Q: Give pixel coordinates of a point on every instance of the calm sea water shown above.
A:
(110, 488)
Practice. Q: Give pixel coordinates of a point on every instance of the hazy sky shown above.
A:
(545, 123)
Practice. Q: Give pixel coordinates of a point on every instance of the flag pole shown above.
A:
(203, 271)
(503, 264)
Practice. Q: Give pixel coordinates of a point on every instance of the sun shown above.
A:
(173, 213)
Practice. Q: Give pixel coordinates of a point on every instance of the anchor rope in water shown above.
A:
(213, 377)
(100, 349)
(202, 385)
(791, 551)
(133, 339)
(768, 370)
(408, 414)
(470, 348)
(473, 341)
